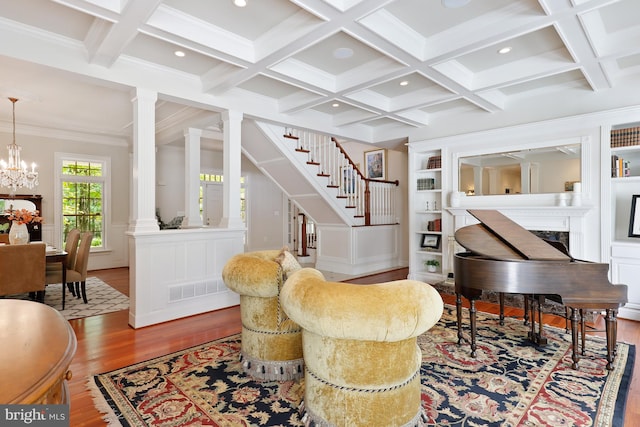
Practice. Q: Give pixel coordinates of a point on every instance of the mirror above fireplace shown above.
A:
(552, 169)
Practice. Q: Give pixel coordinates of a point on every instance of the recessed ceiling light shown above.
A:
(240, 3)
(452, 4)
(404, 83)
(343, 53)
(335, 105)
(179, 53)
(504, 50)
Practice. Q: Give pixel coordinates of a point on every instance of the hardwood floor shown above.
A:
(107, 342)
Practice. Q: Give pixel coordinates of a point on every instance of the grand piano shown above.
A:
(503, 257)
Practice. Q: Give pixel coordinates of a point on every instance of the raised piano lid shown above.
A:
(500, 238)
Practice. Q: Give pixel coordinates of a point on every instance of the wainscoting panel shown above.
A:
(178, 273)
(357, 250)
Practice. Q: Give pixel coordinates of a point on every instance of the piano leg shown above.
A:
(472, 319)
(537, 337)
(501, 298)
(459, 317)
(541, 339)
(611, 325)
(582, 332)
(574, 338)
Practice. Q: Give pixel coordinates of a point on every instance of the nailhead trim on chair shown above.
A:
(273, 370)
(364, 390)
(312, 420)
(293, 331)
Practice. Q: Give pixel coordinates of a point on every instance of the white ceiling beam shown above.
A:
(106, 51)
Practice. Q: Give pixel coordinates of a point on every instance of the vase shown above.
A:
(18, 234)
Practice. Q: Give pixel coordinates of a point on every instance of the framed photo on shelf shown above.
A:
(634, 221)
(375, 164)
(430, 241)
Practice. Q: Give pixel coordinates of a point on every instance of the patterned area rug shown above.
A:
(101, 299)
(510, 383)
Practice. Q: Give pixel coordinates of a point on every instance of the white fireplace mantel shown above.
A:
(541, 218)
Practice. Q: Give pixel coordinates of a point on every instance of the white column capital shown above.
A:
(195, 132)
(142, 94)
(232, 115)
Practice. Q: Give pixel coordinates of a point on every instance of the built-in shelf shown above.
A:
(426, 223)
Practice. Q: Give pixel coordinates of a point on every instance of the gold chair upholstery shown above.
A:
(362, 361)
(271, 342)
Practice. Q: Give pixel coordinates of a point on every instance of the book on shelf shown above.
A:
(434, 225)
(426, 184)
(625, 137)
(434, 162)
(620, 167)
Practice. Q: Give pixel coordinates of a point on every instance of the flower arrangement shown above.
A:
(24, 216)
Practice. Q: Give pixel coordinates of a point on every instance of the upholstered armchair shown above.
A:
(271, 342)
(362, 361)
(23, 269)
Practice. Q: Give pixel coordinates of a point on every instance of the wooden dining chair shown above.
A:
(78, 275)
(71, 248)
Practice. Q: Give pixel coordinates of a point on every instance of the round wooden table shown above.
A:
(36, 347)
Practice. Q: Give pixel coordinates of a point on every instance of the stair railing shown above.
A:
(375, 200)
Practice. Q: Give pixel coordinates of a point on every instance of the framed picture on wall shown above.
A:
(634, 221)
(375, 164)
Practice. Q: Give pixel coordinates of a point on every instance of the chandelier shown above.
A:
(14, 173)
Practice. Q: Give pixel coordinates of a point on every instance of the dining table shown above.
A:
(55, 255)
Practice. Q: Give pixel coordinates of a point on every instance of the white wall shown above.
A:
(266, 220)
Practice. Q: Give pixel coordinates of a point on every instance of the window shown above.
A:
(82, 197)
(206, 179)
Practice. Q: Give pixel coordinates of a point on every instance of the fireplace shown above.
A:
(558, 236)
(565, 224)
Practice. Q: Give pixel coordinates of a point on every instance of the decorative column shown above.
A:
(477, 180)
(525, 178)
(494, 183)
(232, 122)
(143, 193)
(192, 178)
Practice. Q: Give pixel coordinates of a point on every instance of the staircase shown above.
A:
(325, 166)
(356, 218)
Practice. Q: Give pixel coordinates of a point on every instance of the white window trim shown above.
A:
(106, 192)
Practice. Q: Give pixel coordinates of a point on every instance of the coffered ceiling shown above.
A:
(376, 71)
